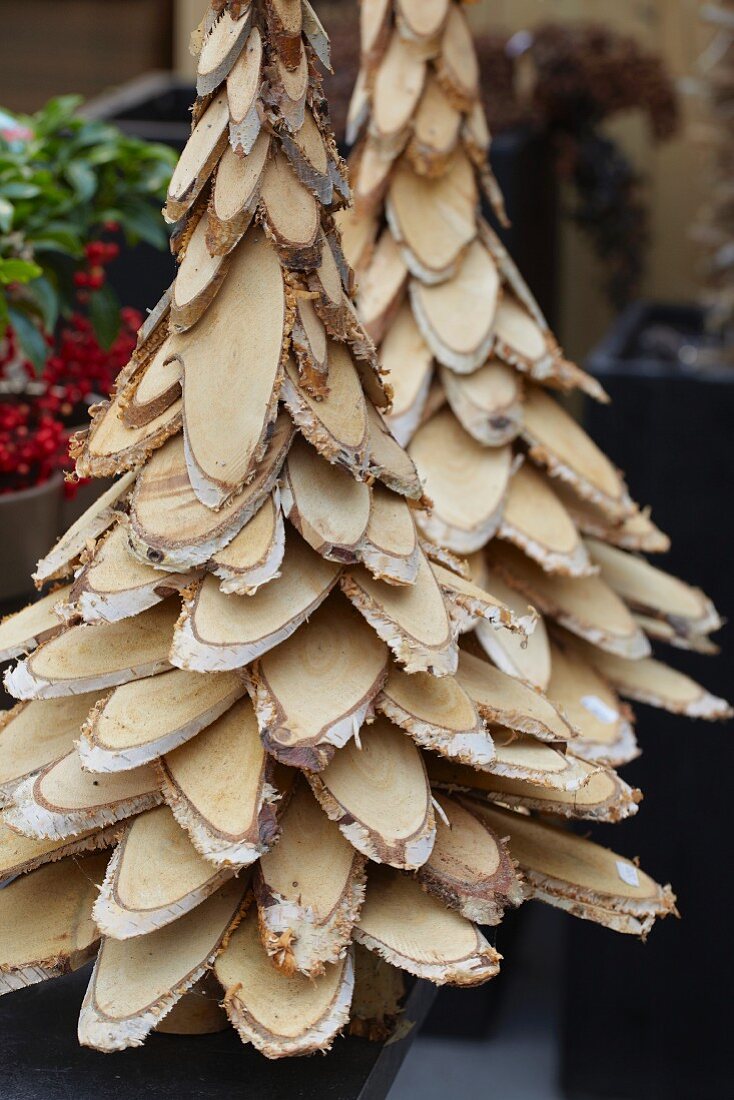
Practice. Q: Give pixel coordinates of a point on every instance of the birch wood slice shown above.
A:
(520, 340)
(536, 522)
(456, 316)
(140, 721)
(136, 982)
(584, 605)
(291, 214)
(325, 283)
(155, 876)
(243, 91)
(200, 275)
(466, 481)
(397, 90)
(292, 90)
(412, 619)
(468, 603)
(307, 152)
(21, 854)
(111, 446)
(281, 1016)
(519, 756)
(593, 707)
(158, 388)
(434, 220)
(469, 868)
(313, 692)
(390, 548)
(488, 403)
(62, 800)
(382, 287)
(559, 864)
(475, 132)
(235, 195)
(170, 527)
(231, 366)
(93, 523)
(358, 234)
(311, 347)
(415, 932)
(309, 890)
(503, 699)
(47, 922)
(196, 163)
(652, 682)
(359, 107)
(337, 425)
(198, 1012)
(325, 504)
(438, 714)
(436, 130)
(637, 532)
(220, 50)
(316, 36)
(457, 66)
(219, 788)
(409, 364)
(254, 556)
(36, 623)
(35, 734)
(524, 658)
(374, 22)
(371, 176)
(422, 19)
(654, 592)
(92, 656)
(387, 460)
(285, 23)
(557, 442)
(220, 632)
(378, 794)
(605, 797)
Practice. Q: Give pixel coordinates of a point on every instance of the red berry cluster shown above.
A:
(98, 254)
(31, 445)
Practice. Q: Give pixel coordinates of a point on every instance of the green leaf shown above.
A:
(46, 297)
(18, 271)
(7, 210)
(104, 313)
(144, 222)
(82, 178)
(30, 337)
(19, 190)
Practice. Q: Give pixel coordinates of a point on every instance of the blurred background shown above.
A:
(610, 128)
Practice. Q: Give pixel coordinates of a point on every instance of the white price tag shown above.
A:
(601, 710)
(628, 873)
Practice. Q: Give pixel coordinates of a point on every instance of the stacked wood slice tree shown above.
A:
(715, 230)
(249, 758)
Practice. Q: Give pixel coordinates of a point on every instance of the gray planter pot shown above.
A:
(29, 526)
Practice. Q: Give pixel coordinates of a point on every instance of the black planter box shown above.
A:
(654, 1019)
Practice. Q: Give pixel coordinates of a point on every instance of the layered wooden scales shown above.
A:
(248, 740)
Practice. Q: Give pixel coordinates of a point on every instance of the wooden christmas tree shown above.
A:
(247, 681)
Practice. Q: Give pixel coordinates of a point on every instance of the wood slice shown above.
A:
(436, 129)
(142, 720)
(291, 90)
(154, 877)
(110, 446)
(89, 657)
(397, 91)
(62, 800)
(387, 460)
(358, 234)
(311, 347)
(231, 368)
(170, 527)
(378, 794)
(536, 522)
(413, 619)
(466, 482)
(285, 24)
(561, 867)
(522, 342)
(47, 922)
(593, 707)
(221, 632)
(35, 734)
(469, 868)
(584, 605)
(605, 797)
(422, 19)
(653, 592)
(525, 658)
(659, 630)
(433, 220)
(503, 699)
(374, 28)
(314, 692)
(136, 982)
(219, 787)
(94, 522)
(382, 288)
(409, 364)
(468, 604)
(24, 630)
(637, 532)
(243, 93)
(325, 284)
(198, 1012)
(557, 442)
(325, 504)
(390, 548)
(281, 1016)
(475, 132)
(316, 36)
(235, 195)
(309, 890)
(457, 65)
(456, 316)
(411, 930)
(379, 989)
(336, 425)
(438, 714)
(202, 151)
(255, 555)
(158, 387)
(21, 854)
(522, 757)
(371, 169)
(220, 50)
(291, 214)
(359, 108)
(488, 402)
(309, 157)
(200, 275)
